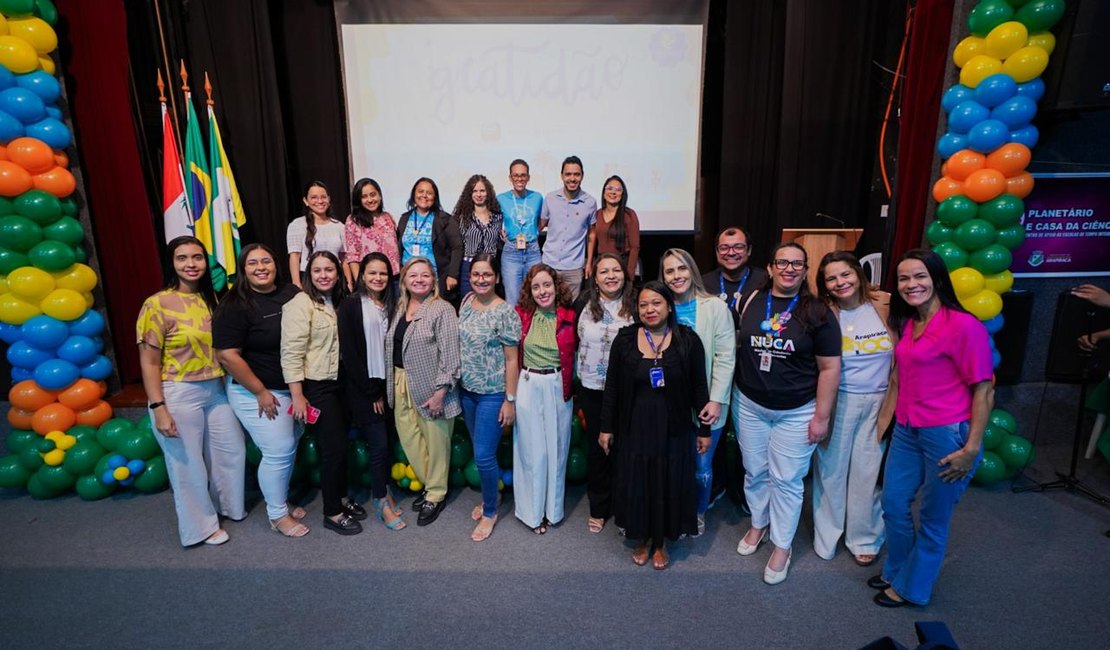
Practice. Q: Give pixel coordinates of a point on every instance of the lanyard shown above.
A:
(417, 229)
(651, 343)
(520, 214)
(775, 326)
(739, 289)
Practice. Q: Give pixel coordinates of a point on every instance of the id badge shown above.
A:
(765, 362)
(521, 242)
(416, 250)
(656, 376)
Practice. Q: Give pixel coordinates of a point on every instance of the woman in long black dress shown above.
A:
(655, 388)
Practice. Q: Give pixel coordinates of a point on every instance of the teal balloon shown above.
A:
(111, 433)
(82, 457)
(974, 234)
(89, 488)
(41, 207)
(1011, 236)
(12, 473)
(19, 439)
(1002, 211)
(991, 259)
(52, 256)
(1040, 15)
(55, 478)
(46, 10)
(19, 233)
(66, 230)
(154, 478)
(83, 432)
(461, 453)
(472, 475)
(11, 260)
(991, 469)
(956, 209)
(993, 436)
(1004, 420)
(456, 478)
(1015, 451)
(954, 257)
(576, 466)
(938, 233)
(40, 491)
(987, 15)
(31, 459)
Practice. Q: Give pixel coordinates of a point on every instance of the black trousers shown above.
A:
(599, 479)
(373, 431)
(331, 439)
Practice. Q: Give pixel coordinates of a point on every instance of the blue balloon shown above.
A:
(54, 112)
(127, 481)
(90, 324)
(98, 342)
(7, 78)
(22, 104)
(955, 95)
(507, 477)
(22, 355)
(950, 143)
(21, 374)
(995, 89)
(996, 358)
(115, 461)
(41, 83)
(1032, 89)
(987, 136)
(56, 374)
(10, 333)
(10, 128)
(107, 479)
(78, 350)
(966, 115)
(994, 324)
(98, 370)
(1026, 135)
(45, 332)
(136, 467)
(50, 131)
(1015, 112)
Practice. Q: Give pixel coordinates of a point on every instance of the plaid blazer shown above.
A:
(430, 355)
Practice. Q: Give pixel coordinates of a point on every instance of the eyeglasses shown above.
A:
(733, 248)
(518, 177)
(781, 264)
(614, 188)
(481, 276)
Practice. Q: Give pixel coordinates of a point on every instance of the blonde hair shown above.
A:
(695, 274)
(403, 301)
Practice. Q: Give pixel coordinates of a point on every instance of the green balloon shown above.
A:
(404, 482)
(80, 254)
(456, 478)
(11, 260)
(112, 432)
(52, 256)
(102, 465)
(938, 232)
(68, 207)
(472, 475)
(144, 423)
(89, 488)
(399, 453)
(1040, 15)
(991, 469)
(12, 473)
(1002, 419)
(17, 7)
(1002, 211)
(19, 439)
(6, 206)
(55, 478)
(461, 453)
(974, 234)
(954, 257)
(41, 207)
(19, 233)
(358, 455)
(83, 432)
(154, 477)
(314, 476)
(991, 259)
(254, 454)
(82, 457)
(1011, 236)
(31, 459)
(66, 230)
(138, 444)
(987, 15)
(40, 491)
(956, 209)
(46, 10)
(993, 436)
(309, 451)
(1015, 451)
(576, 466)
(505, 452)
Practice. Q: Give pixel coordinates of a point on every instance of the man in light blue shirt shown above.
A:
(569, 215)
(521, 250)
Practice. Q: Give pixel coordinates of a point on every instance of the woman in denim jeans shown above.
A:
(943, 396)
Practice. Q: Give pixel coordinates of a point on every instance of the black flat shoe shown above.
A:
(354, 510)
(345, 526)
(877, 582)
(429, 512)
(883, 600)
(419, 501)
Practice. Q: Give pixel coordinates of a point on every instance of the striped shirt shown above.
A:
(482, 238)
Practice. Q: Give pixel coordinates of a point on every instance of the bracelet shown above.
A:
(154, 405)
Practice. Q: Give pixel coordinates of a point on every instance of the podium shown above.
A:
(818, 242)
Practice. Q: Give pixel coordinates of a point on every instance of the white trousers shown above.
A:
(541, 443)
(846, 497)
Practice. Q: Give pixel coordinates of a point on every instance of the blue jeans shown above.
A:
(914, 555)
(480, 413)
(515, 265)
(464, 279)
(276, 439)
(704, 472)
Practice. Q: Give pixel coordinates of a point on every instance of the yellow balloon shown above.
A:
(54, 457)
(966, 49)
(984, 305)
(47, 64)
(4, 288)
(121, 473)
(999, 282)
(415, 485)
(979, 68)
(54, 436)
(1026, 64)
(1043, 40)
(16, 311)
(90, 300)
(3, 25)
(967, 282)
(397, 472)
(30, 283)
(17, 55)
(37, 32)
(64, 304)
(79, 277)
(65, 441)
(410, 473)
(1004, 40)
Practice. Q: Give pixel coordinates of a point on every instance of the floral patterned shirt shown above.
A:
(358, 242)
(594, 341)
(482, 338)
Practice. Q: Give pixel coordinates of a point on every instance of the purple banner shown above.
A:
(1067, 227)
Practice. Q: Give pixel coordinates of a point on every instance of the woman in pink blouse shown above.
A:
(369, 229)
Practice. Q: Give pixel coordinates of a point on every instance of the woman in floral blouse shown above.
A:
(369, 229)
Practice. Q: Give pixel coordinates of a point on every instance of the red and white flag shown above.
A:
(177, 218)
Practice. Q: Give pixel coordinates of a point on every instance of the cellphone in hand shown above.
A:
(310, 417)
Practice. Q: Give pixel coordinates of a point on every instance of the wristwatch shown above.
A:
(510, 398)
(154, 405)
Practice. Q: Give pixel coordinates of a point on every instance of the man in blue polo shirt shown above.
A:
(569, 214)
(521, 251)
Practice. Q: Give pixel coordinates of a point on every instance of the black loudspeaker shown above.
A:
(1017, 309)
(1074, 318)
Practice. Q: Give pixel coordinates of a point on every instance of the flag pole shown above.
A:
(208, 89)
(166, 62)
(184, 79)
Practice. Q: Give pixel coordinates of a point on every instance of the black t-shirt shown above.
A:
(256, 332)
(791, 380)
(756, 278)
(399, 342)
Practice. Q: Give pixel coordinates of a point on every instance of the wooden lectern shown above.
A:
(818, 242)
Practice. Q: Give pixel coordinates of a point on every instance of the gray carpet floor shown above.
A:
(1023, 570)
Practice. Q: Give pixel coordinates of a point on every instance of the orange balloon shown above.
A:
(1011, 159)
(31, 154)
(103, 387)
(944, 168)
(29, 396)
(964, 163)
(985, 185)
(1020, 185)
(61, 159)
(81, 395)
(20, 418)
(100, 413)
(14, 180)
(57, 181)
(946, 187)
(3, 152)
(53, 417)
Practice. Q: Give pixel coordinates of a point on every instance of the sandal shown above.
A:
(380, 506)
(659, 559)
(289, 526)
(484, 528)
(595, 524)
(296, 512)
(640, 555)
(542, 528)
(865, 559)
(476, 513)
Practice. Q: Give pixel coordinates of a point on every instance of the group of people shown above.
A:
(405, 325)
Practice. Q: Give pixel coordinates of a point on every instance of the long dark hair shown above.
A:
(338, 290)
(618, 232)
(900, 311)
(170, 279)
(361, 215)
(865, 290)
(627, 296)
(464, 207)
(310, 219)
(241, 296)
(390, 288)
(668, 295)
(810, 311)
(437, 207)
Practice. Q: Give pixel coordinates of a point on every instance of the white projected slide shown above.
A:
(448, 101)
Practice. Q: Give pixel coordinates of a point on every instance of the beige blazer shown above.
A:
(309, 340)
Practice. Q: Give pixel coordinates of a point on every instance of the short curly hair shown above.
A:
(563, 297)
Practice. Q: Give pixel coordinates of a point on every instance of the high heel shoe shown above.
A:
(772, 577)
(379, 506)
(744, 548)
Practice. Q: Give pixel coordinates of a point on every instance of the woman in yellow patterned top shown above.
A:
(196, 428)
